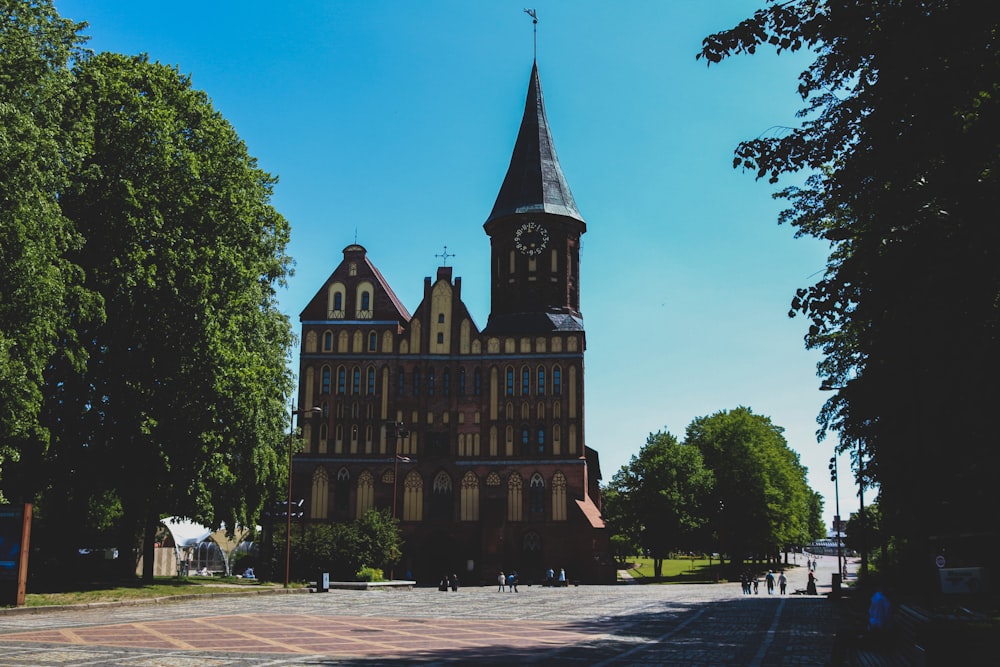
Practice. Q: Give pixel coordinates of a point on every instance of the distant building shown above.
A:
(473, 438)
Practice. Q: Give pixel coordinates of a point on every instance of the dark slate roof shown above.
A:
(534, 182)
(532, 323)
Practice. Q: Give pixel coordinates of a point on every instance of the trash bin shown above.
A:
(323, 582)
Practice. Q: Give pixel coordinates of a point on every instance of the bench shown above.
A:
(901, 645)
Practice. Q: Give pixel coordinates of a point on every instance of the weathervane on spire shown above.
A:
(444, 256)
(534, 28)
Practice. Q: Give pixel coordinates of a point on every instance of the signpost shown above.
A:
(15, 531)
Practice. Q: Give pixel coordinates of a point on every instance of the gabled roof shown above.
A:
(590, 512)
(385, 300)
(384, 284)
(534, 182)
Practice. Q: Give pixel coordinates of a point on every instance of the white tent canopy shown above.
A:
(188, 535)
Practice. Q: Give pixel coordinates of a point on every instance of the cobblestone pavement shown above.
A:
(585, 625)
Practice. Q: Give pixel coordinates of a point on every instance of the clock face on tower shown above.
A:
(531, 238)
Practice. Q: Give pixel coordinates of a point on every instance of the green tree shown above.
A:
(343, 548)
(762, 498)
(900, 141)
(659, 496)
(40, 291)
(180, 408)
(380, 544)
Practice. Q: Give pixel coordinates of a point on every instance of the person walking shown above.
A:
(782, 582)
(769, 580)
(501, 579)
(562, 576)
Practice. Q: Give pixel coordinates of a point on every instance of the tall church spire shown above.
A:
(534, 182)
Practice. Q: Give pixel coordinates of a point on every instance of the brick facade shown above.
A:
(473, 438)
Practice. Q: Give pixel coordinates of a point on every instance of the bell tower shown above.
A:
(534, 231)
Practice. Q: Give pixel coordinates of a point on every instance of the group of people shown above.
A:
(751, 583)
(550, 577)
(448, 581)
(510, 581)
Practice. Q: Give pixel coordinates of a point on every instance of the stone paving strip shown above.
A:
(670, 625)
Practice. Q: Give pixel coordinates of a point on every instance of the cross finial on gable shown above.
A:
(444, 256)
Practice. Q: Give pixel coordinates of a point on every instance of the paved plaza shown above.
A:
(626, 624)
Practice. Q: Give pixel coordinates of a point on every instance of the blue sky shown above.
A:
(394, 121)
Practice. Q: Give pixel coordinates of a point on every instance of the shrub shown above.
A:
(369, 574)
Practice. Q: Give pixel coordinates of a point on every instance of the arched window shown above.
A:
(327, 341)
(446, 382)
(515, 502)
(366, 301)
(510, 381)
(370, 387)
(430, 382)
(366, 493)
(540, 384)
(525, 381)
(356, 380)
(556, 381)
(461, 381)
(413, 497)
(558, 496)
(319, 505)
(536, 503)
(325, 388)
(541, 440)
(469, 498)
(442, 498)
(341, 380)
(525, 440)
(338, 301)
(341, 491)
(372, 341)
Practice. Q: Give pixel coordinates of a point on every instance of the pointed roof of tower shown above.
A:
(534, 182)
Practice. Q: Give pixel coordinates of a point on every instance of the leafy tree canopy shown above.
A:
(761, 495)
(900, 139)
(40, 291)
(663, 488)
(179, 409)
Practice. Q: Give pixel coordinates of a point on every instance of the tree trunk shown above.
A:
(149, 548)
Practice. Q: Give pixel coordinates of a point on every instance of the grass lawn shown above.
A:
(162, 587)
(682, 570)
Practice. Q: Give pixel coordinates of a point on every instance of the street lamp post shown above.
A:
(826, 385)
(397, 430)
(288, 503)
(836, 518)
(395, 477)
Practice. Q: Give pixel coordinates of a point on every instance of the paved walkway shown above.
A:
(585, 625)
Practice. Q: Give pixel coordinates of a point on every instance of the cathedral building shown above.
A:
(473, 439)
